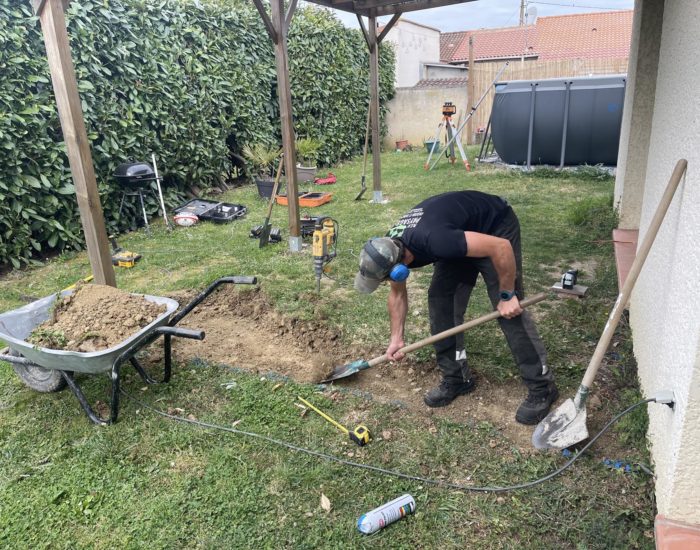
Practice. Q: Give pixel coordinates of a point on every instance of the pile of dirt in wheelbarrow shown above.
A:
(94, 318)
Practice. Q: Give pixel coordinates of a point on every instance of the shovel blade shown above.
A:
(561, 428)
(346, 370)
(265, 234)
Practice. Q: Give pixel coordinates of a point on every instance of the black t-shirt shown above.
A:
(434, 229)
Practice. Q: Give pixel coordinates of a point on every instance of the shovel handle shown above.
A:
(456, 330)
(623, 297)
(274, 189)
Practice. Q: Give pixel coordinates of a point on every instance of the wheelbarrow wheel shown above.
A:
(38, 378)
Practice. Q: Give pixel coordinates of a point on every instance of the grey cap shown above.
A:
(377, 258)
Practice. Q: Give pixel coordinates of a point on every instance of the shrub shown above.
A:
(192, 82)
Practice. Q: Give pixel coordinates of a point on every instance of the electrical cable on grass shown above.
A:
(394, 473)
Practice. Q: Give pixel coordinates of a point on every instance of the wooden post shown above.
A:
(53, 26)
(374, 107)
(471, 77)
(277, 26)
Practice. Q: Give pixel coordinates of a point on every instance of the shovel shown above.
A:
(364, 165)
(267, 226)
(357, 366)
(566, 425)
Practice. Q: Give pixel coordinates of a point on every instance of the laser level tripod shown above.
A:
(453, 137)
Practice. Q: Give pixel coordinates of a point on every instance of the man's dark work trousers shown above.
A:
(448, 296)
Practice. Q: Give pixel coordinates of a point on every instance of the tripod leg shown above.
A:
(465, 159)
(436, 140)
(450, 150)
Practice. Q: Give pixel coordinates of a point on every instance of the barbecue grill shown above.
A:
(134, 178)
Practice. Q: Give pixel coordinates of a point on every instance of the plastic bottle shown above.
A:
(373, 521)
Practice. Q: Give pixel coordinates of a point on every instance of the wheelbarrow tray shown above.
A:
(17, 325)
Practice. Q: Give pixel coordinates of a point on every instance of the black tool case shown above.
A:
(220, 212)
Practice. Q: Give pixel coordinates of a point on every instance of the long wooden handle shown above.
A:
(364, 165)
(642, 254)
(456, 330)
(274, 188)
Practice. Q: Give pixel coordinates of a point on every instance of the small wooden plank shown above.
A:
(579, 290)
(266, 21)
(388, 27)
(363, 29)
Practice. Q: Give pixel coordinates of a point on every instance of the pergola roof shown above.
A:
(376, 8)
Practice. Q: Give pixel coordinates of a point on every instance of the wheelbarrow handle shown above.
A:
(181, 332)
(17, 360)
(234, 279)
(239, 280)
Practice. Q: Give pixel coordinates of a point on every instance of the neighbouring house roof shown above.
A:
(505, 43)
(585, 35)
(441, 83)
(579, 36)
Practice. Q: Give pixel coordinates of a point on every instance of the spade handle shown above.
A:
(456, 330)
(642, 254)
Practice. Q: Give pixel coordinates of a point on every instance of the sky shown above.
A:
(494, 13)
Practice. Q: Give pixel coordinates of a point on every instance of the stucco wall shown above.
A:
(665, 305)
(637, 115)
(444, 71)
(414, 114)
(414, 44)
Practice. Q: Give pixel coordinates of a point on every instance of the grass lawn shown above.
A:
(150, 482)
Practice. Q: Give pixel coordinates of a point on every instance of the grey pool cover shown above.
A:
(569, 121)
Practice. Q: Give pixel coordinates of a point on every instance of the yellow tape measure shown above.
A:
(359, 435)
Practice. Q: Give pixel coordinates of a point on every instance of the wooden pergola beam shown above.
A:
(53, 26)
(377, 8)
(277, 25)
(374, 108)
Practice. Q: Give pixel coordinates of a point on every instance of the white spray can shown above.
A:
(373, 521)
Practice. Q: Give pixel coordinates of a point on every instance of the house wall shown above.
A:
(665, 302)
(414, 44)
(637, 114)
(430, 70)
(414, 113)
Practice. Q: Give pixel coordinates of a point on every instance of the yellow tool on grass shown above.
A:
(121, 257)
(325, 237)
(359, 435)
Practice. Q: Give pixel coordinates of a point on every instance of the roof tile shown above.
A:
(574, 36)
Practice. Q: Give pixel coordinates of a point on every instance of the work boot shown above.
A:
(447, 391)
(536, 405)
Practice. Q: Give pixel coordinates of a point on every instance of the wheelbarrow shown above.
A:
(49, 370)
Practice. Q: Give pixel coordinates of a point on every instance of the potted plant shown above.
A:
(262, 156)
(307, 155)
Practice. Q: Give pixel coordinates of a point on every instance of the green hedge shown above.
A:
(189, 81)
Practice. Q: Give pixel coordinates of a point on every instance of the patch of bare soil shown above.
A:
(243, 330)
(94, 318)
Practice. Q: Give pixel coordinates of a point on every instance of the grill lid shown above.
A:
(134, 172)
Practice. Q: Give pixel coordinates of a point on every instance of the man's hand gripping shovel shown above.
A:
(362, 364)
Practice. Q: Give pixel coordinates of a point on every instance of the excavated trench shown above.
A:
(244, 331)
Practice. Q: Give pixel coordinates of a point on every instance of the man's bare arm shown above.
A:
(397, 304)
(500, 251)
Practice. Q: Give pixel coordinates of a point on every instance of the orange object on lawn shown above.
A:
(307, 200)
(327, 180)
